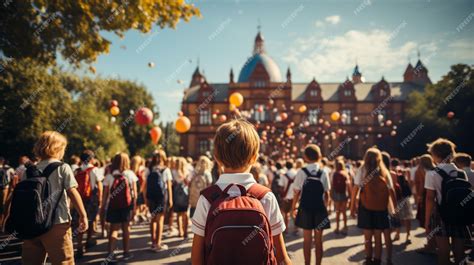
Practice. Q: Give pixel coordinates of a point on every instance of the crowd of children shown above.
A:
(246, 200)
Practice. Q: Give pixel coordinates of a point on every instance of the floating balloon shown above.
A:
(182, 124)
(302, 108)
(450, 115)
(388, 123)
(260, 108)
(335, 116)
(97, 128)
(379, 135)
(113, 103)
(114, 111)
(143, 116)
(284, 116)
(393, 133)
(222, 118)
(151, 64)
(369, 129)
(343, 116)
(289, 132)
(236, 98)
(380, 117)
(155, 134)
(214, 116)
(356, 118)
(113, 119)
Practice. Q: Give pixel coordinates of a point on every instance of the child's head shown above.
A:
(340, 165)
(289, 164)
(312, 153)
(203, 165)
(426, 162)
(236, 145)
(120, 162)
(51, 144)
(462, 160)
(87, 156)
(373, 162)
(442, 150)
(158, 159)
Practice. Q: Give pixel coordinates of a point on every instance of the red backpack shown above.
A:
(237, 228)
(120, 194)
(83, 178)
(339, 182)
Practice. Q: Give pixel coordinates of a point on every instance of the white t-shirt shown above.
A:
(166, 174)
(470, 175)
(412, 173)
(131, 177)
(95, 175)
(269, 203)
(301, 176)
(283, 182)
(433, 179)
(361, 172)
(10, 173)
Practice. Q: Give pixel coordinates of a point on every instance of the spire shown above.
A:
(197, 77)
(259, 41)
(231, 76)
(288, 74)
(356, 75)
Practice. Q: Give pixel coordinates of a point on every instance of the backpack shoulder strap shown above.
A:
(306, 171)
(211, 193)
(442, 173)
(258, 191)
(319, 173)
(51, 168)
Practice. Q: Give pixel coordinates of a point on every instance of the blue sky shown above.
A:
(314, 38)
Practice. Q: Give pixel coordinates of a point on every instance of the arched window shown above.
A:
(347, 93)
(348, 114)
(313, 116)
(313, 93)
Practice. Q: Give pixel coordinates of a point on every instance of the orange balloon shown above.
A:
(155, 134)
(284, 116)
(335, 116)
(289, 132)
(222, 118)
(114, 110)
(236, 99)
(302, 108)
(183, 124)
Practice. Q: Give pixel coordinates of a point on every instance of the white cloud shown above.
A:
(333, 58)
(333, 19)
(461, 50)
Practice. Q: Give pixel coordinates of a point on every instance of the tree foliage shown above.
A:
(454, 93)
(41, 28)
(35, 99)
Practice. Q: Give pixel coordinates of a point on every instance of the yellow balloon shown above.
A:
(302, 108)
(236, 98)
(182, 124)
(114, 111)
(232, 107)
(335, 116)
(289, 132)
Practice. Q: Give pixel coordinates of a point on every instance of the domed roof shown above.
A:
(270, 66)
(260, 57)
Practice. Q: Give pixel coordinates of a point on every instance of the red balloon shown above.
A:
(113, 103)
(155, 134)
(450, 115)
(284, 116)
(143, 116)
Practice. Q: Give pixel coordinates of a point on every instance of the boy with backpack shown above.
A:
(90, 188)
(158, 195)
(237, 221)
(286, 190)
(449, 203)
(312, 186)
(46, 232)
(120, 191)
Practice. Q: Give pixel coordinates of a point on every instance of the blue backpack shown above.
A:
(312, 192)
(156, 190)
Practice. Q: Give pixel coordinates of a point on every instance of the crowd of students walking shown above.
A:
(240, 203)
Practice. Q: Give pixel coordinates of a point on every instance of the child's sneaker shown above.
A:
(127, 256)
(163, 247)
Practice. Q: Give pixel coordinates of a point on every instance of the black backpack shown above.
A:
(180, 195)
(312, 192)
(4, 177)
(457, 199)
(156, 190)
(33, 206)
(276, 189)
(404, 186)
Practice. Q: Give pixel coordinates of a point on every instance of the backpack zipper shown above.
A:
(41, 203)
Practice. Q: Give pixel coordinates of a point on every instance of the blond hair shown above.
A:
(51, 144)
(136, 162)
(373, 165)
(236, 143)
(120, 162)
(442, 148)
(204, 164)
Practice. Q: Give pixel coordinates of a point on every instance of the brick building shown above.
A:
(370, 111)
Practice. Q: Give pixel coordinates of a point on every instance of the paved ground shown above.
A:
(338, 249)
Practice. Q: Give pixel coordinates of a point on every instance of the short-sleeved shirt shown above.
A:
(313, 168)
(131, 177)
(433, 179)
(283, 182)
(269, 203)
(360, 174)
(95, 175)
(61, 180)
(10, 173)
(166, 174)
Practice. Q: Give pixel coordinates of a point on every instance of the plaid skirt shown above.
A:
(439, 228)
